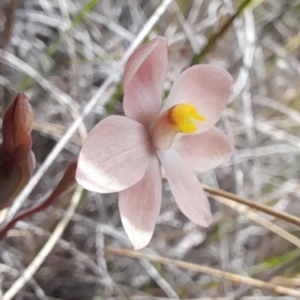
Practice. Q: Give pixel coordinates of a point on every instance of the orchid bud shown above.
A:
(17, 126)
(17, 161)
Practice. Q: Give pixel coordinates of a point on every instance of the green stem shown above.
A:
(213, 39)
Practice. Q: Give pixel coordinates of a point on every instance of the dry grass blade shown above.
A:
(47, 248)
(258, 206)
(62, 97)
(260, 220)
(162, 282)
(9, 12)
(235, 278)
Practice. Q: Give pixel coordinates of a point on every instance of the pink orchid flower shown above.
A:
(124, 153)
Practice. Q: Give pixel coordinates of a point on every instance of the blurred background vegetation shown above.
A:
(65, 54)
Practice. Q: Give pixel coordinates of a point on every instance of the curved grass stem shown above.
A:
(258, 206)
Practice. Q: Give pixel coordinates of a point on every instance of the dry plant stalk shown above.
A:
(258, 206)
(235, 278)
(9, 12)
(67, 181)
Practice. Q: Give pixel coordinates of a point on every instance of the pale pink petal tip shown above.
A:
(144, 77)
(186, 189)
(207, 88)
(140, 206)
(113, 149)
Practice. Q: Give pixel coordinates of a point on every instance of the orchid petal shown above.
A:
(186, 188)
(144, 77)
(114, 156)
(204, 151)
(205, 87)
(140, 206)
